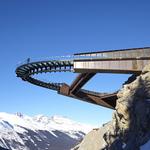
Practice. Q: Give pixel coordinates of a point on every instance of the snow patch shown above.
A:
(12, 126)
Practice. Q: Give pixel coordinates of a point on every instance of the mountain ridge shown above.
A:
(22, 132)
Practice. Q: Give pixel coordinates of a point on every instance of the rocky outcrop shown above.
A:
(130, 125)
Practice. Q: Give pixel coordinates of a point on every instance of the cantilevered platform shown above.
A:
(117, 61)
(128, 61)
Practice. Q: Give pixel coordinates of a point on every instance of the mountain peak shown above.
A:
(18, 130)
(19, 114)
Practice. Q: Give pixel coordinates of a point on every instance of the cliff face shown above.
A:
(130, 125)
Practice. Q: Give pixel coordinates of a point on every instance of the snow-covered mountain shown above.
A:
(21, 132)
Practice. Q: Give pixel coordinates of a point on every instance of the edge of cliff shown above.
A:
(130, 125)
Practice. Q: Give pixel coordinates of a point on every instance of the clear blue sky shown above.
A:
(42, 28)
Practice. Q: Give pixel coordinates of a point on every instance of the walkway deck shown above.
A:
(130, 61)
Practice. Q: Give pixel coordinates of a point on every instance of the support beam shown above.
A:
(107, 100)
(80, 81)
(74, 91)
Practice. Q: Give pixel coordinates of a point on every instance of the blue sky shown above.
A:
(39, 29)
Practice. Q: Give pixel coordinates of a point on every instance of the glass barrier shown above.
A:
(105, 55)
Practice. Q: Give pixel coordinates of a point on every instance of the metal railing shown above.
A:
(105, 55)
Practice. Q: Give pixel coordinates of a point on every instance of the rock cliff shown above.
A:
(130, 125)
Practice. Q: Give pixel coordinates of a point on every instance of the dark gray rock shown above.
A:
(1, 148)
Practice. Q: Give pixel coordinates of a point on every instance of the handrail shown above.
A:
(140, 53)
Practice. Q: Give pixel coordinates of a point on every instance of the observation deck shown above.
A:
(125, 61)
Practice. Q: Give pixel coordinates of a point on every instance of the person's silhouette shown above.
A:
(28, 60)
